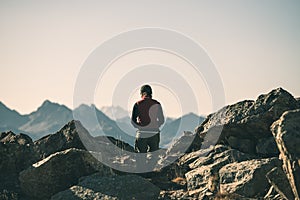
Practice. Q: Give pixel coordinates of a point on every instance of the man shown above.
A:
(147, 117)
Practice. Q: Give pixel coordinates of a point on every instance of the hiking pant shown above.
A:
(147, 141)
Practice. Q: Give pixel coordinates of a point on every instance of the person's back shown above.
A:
(147, 117)
(148, 113)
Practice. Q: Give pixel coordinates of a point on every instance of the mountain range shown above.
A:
(50, 117)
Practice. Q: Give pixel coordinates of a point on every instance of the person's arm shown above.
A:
(134, 116)
(160, 116)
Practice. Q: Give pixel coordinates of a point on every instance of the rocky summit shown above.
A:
(248, 150)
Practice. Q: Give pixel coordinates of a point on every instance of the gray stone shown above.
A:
(16, 153)
(243, 124)
(65, 138)
(247, 178)
(58, 172)
(205, 173)
(273, 195)
(116, 187)
(280, 183)
(287, 134)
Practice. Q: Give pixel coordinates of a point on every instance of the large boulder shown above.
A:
(287, 134)
(187, 143)
(204, 175)
(65, 138)
(247, 178)
(115, 187)
(74, 135)
(58, 172)
(16, 153)
(246, 125)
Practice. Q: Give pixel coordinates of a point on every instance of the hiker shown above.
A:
(147, 117)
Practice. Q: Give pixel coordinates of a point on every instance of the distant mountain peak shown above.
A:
(50, 106)
(114, 112)
(46, 102)
(49, 103)
(4, 107)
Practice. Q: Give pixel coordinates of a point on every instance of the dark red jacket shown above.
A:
(147, 114)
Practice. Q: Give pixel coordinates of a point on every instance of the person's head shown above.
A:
(146, 90)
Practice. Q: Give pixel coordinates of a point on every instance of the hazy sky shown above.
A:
(43, 45)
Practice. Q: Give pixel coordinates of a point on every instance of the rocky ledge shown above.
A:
(248, 150)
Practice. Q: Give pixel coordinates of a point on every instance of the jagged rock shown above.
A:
(273, 195)
(243, 124)
(287, 134)
(204, 175)
(16, 153)
(67, 137)
(183, 164)
(247, 178)
(58, 172)
(74, 135)
(115, 187)
(280, 183)
(174, 195)
(187, 143)
(174, 162)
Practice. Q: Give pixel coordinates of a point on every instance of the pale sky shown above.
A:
(254, 45)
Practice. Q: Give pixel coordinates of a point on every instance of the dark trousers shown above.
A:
(144, 144)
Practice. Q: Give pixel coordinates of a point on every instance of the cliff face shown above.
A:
(245, 150)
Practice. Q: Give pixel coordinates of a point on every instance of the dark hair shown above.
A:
(146, 89)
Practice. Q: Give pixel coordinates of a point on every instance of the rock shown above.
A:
(115, 187)
(8, 195)
(175, 163)
(273, 195)
(73, 135)
(286, 131)
(187, 143)
(247, 178)
(65, 138)
(174, 194)
(204, 175)
(219, 153)
(58, 172)
(16, 153)
(243, 124)
(267, 147)
(280, 183)
(183, 164)
(210, 160)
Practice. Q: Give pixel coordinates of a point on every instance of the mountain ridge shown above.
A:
(50, 117)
